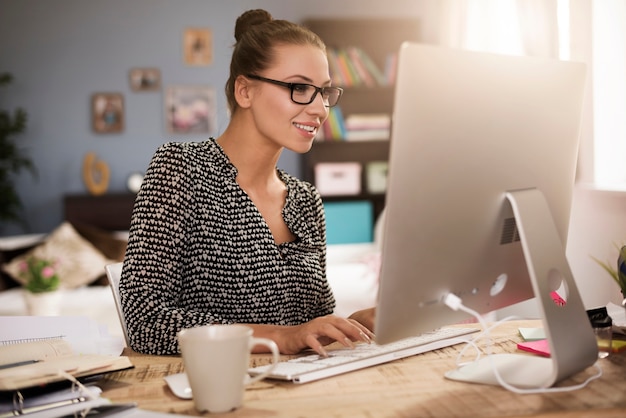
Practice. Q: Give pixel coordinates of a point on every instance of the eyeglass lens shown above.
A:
(305, 94)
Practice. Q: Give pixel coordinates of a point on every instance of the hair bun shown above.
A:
(250, 18)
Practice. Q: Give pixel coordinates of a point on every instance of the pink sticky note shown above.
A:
(540, 347)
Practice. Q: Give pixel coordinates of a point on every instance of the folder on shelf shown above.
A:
(349, 222)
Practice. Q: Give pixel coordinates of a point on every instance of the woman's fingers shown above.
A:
(323, 331)
(312, 342)
(366, 318)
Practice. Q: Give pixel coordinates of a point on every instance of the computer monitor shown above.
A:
(481, 171)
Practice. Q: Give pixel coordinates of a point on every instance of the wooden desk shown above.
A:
(412, 387)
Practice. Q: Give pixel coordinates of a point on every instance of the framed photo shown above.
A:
(107, 112)
(190, 109)
(198, 46)
(145, 79)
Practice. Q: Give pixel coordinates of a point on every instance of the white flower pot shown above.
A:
(43, 304)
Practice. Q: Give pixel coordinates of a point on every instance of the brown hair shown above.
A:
(256, 34)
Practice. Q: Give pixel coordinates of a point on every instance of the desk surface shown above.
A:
(412, 387)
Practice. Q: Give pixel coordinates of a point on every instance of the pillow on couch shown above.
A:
(79, 262)
(105, 241)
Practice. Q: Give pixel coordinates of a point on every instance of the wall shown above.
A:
(62, 51)
(598, 220)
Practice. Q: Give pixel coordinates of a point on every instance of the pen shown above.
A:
(18, 363)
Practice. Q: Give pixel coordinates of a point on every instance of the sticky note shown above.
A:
(540, 347)
(532, 334)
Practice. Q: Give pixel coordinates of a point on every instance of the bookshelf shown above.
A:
(379, 39)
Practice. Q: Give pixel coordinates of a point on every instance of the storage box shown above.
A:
(376, 174)
(333, 179)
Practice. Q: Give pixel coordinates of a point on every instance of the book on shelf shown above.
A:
(333, 67)
(363, 73)
(333, 128)
(351, 66)
(371, 66)
(367, 126)
(391, 68)
(360, 121)
(367, 135)
(355, 127)
(348, 71)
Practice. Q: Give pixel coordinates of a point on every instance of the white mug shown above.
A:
(216, 360)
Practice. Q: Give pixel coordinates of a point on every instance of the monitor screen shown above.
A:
(467, 129)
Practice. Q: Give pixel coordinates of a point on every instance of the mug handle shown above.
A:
(275, 358)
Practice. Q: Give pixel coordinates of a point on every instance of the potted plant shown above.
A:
(41, 287)
(12, 160)
(617, 271)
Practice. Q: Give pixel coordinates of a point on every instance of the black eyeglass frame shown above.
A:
(292, 86)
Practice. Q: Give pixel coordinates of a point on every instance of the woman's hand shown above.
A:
(365, 317)
(315, 334)
(324, 330)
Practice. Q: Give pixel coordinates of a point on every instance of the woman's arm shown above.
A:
(153, 272)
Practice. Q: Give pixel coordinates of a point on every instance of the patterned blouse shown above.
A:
(200, 252)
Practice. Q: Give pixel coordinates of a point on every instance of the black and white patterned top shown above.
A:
(200, 252)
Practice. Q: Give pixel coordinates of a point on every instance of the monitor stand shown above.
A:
(572, 343)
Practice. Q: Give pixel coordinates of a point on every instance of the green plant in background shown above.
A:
(12, 159)
(617, 270)
(621, 272)
(40, 274)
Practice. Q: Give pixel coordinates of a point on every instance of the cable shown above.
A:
(455, 303)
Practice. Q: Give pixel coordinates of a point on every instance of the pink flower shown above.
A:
(47, 272)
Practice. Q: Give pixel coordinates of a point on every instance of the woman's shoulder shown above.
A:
(200, 148)
(202, 153)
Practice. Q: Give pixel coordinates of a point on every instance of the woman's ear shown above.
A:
(243, 91)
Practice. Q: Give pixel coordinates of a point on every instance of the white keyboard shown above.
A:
(341, 360)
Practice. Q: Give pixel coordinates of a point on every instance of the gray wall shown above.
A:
(62, 51)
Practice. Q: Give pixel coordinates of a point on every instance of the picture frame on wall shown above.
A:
(107, 112)
(198, 46)
(145, 79)
(190, 109)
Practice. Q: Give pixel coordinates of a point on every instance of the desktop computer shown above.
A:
(482, 163)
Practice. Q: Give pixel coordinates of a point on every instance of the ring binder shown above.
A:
(21, 404)
(19, 408)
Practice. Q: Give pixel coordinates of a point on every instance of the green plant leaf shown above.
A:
(13, 160)
(621, 269)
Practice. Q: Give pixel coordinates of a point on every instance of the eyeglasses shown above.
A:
(303, 94)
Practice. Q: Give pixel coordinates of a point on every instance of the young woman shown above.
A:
(219, 234)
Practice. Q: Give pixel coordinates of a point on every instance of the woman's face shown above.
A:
(280, 120)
